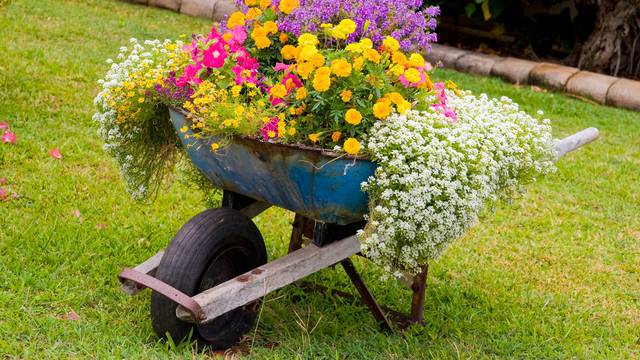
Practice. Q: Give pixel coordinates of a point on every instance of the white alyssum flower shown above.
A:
(113, 91)
(434, 178)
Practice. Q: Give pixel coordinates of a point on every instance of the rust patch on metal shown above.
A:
(257, 271)
(243, 278)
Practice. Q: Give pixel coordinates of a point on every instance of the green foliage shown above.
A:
(553, 276)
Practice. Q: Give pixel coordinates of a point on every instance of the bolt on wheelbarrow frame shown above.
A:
(332, 243)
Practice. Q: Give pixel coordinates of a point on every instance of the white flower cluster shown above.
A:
(151, 57)
(434, 178)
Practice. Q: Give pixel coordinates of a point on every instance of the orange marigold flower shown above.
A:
(278, 91)
(372, 55)
(341, 67)
(314, 137)
(301, 93)
(346, 95)
(236, 19)
(321, 79)
(283, 37)
(381, 109)
(287, 6)
(353, 117)
(335, 136)
(304, 69)
(351, 146)
(289, 52)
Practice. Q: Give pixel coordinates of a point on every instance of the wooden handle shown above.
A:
(576, 140)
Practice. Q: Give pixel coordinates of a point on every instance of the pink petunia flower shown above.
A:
(9, 137)
(214, 56)
(441, 103)
(4, 125)
(55, 153)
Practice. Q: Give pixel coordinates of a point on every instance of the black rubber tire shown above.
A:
(212, 247)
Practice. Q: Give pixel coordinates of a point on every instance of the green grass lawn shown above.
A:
(556, 274)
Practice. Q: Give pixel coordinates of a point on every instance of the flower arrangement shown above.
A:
(342, 75)
(433, 180)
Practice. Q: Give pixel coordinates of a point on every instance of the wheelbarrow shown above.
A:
(208, 282)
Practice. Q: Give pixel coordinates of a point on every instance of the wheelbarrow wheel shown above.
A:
(213, 247)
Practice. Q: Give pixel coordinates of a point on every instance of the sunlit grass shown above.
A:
(555, 274)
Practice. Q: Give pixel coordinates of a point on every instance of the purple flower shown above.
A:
(402, 19)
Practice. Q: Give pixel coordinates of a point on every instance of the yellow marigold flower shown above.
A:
(307, 39)
(346, 95)
(390, 44)
(235, 90)
(353, 117)
(413, 75)
(227, 36)
(403, 106)
(351, 146)
(184, 129)
(287, 6)
(338, 33)
(262, 42)
(416, 60)
(395, 97)
(397, 69)
(271, 134)
(305, 69)
(317, 60)
(335, 136)
(322, 79)
(358, 63)
(372, 55)
(253, 13)
(381, 109)
(236, 19)
(348, 26)
(399, 58)
(278, 91)
(215, 146)
(314, 137)
(341, 67)
(264, 4)
(307, 52)
(283, 37)
(354, 47)
(141, 100)
(271, 27)
(366, 43)
(239, 110)
(291, 131)
(289, 52)
(301, 93)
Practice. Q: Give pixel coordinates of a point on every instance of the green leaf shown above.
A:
(470, 9)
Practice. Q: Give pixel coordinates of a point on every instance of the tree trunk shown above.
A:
(614, 45)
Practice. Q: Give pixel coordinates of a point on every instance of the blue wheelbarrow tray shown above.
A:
(315, 183)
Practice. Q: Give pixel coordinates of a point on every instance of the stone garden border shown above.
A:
(209, 9)
(604, 89)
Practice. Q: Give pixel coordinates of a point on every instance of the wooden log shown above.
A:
(269, 277)
(576, 140)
